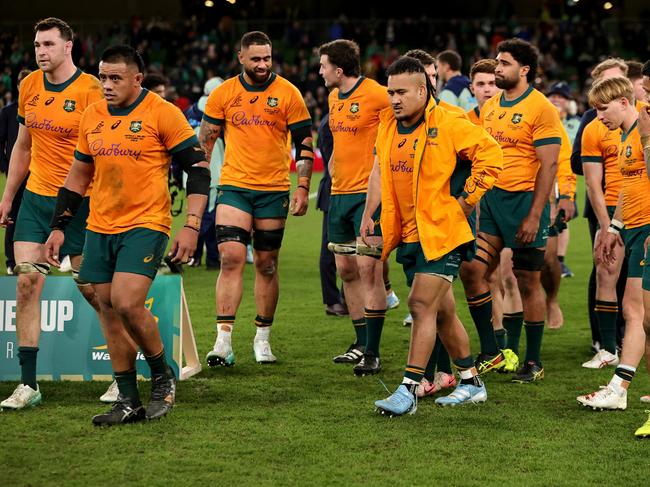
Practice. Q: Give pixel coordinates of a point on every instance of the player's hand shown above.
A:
(5, 209)
(299, 202)
(527, 230)
(184, 245)
(569, 208)
(605, 252)
(467, 209)
(367, 228)
(643, 125)
(53, 246)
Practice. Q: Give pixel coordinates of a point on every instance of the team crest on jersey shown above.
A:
(272, 102)
(516, 117)
(628, 151)
(415, 144)
(136, 126)
(69, 105)
(432, 133)
(354, 107)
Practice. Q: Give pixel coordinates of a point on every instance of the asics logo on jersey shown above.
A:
(49, 100)
(502, 115)
(116, 124)
(148, 259)
(341, 106)
(254, 99)
(401, 143)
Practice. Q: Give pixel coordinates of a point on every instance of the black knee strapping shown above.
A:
(229, 233)
(267, 239)
(528, 259)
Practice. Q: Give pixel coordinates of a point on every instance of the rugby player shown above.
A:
(616, 108)
(515, 213)
(425, 223)
(124, 147)
(51, 102)
(255, 111)
(355, 102)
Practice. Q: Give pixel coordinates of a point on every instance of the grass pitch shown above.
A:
(307, 421)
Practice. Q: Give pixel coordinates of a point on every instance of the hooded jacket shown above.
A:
(446, 138)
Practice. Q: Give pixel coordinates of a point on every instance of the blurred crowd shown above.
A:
(190, 52)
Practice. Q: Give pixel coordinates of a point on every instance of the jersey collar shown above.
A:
(58, 88)
(409, 130)
(120, 112)
(344, 96)
(505, 103)
(625, 135)
(262, 87)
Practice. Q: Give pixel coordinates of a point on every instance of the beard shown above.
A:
(505, 83)
(257, 77)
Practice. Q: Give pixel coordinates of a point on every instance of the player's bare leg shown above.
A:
(267, 285)
(31, 267)
(614, 395)
(474, 276)
(348, 270)
(374, 300)
(534, 305)
(229, 286)
(551, 278)
(606, 308)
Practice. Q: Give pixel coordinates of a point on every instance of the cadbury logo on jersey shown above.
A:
(113, 150)
(47, 124)
(69, 105)
(136, 126)
(49, 101)
(240, 118)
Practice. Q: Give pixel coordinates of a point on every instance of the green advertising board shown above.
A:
(72, 346)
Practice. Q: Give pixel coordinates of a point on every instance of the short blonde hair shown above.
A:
(607, 90)
(612, 62)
